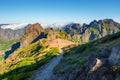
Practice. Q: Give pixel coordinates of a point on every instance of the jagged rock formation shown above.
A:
(93, 31)
(73, 28)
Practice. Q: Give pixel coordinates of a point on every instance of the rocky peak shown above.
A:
(104, 27)
(34, 28)
(30, 34)
(95, 24)
(84, 24)
(76, 26)
(73, 28)
(107, 21)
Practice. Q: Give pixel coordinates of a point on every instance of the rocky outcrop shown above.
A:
(97, 65)
(115, 55)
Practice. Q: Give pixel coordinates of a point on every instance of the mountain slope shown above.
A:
(33, 53)
(46, 71)
(97, 60)
(27, 59)
(4, 46)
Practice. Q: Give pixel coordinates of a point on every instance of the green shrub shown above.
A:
(26, 66)
(6, 44)
(1, 57)
(107, 26)
(94, 30)
(62, 34)
(19, 76)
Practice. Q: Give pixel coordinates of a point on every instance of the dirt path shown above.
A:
(45, 72)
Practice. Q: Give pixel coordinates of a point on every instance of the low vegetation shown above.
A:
(6, 44)
(107, 26)
(2, 57)
(94, 30)
(62, 35)
(75, 57)
(25, 61)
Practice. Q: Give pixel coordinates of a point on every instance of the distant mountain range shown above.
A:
(12, 31)
(73, 32)
(82, 33)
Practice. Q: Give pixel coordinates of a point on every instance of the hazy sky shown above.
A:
(51, 11)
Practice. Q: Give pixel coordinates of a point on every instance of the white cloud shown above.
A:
(14, 26)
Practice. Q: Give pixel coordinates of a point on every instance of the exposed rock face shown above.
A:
(30, 34)
(73, 28)
(115, 55)
(97, 65)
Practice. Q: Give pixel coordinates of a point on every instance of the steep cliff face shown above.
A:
(30, 34)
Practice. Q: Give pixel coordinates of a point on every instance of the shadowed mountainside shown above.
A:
(14, 47)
